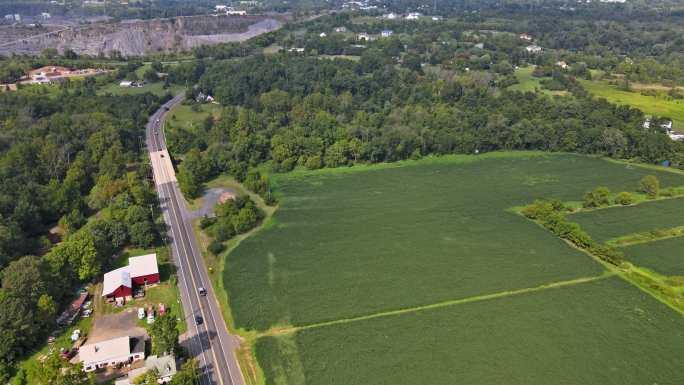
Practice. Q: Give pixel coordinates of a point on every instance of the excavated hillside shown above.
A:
(139, 37)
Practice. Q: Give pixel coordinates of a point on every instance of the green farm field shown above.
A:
(650, 105)
(356, 241)
(599, 332)
(613, 222)
(664, 256)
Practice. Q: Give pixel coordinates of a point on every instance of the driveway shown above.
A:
(111, 326)
(209, 200)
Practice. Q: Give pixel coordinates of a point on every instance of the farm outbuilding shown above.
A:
(141, 271)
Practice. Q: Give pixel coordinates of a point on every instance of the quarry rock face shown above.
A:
(139, 37)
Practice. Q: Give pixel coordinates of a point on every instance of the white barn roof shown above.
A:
(143, 265)
(116, 278)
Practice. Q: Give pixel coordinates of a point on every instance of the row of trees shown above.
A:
(299, 111)
(551, 215)
(601, 196)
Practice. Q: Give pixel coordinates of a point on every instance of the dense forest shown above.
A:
(71, 171)
(431, 88)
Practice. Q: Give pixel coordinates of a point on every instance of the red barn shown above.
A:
(117, 284)
(140, 271)
(144, 269)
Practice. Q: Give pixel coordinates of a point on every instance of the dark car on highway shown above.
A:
(198, 319)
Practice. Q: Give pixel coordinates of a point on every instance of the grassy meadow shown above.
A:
(650, 105)
(613, 222)
(665, 256)
(601, 332)
(529, 83)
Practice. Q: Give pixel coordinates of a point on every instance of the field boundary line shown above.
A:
(646, 237)
(453, 302)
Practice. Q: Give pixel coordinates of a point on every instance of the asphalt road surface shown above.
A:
(208, 341)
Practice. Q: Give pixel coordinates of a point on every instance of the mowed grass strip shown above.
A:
(614, 222)
(350, 242)
(664, 256)
(604, 332)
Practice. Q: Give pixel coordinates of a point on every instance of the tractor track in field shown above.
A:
(484, 297)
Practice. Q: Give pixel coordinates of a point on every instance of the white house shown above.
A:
(386, 33)
(341, 29)
(389, 16)
(45, 15)
(232, 11)
(533, 48)
(297, 50)
(363, 36)
(126, 83)
(323, 34)
(117, 351)
(164, 365)
(221, 8)
(526, 37)
(562, 65)
(413, 16)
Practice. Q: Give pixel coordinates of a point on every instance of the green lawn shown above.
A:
(650, 105)
(603, 332)
(529, 83)
(355, 241)
(613, 222)
(665, 256)
(183, 116)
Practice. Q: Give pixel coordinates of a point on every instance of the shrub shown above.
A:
(216, 247)
(224, 230)
(206, 222)
(650, 185)
(600, 196)
(624, 198)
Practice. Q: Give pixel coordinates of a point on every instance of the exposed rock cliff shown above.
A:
(133, 38)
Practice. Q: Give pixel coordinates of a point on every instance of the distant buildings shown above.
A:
(413, 16)
(562, 65)
(13, 17)
(232, 11)
(323, 34)
(363, 36)
(45, 15)
(386, 33)
(341, 29)
(533, 49)
(526, 37)
(389, 16)
(221, 8)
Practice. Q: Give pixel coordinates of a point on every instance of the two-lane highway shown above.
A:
(208, 339)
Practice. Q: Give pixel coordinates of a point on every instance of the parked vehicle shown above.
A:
(76, 335)
(86, 313)
(141, 313)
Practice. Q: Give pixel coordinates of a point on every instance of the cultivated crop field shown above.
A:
(382, 270)
(612, 222)
(602, 332)
(665, 256)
